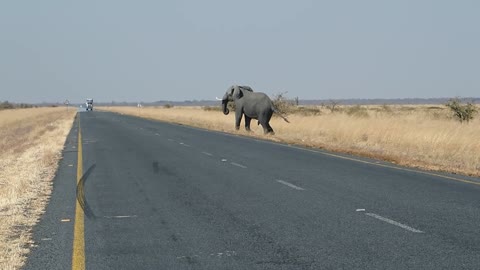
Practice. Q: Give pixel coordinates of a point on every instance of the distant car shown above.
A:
(89, 104)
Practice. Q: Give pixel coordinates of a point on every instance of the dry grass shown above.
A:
(31, 141)
(423, 136)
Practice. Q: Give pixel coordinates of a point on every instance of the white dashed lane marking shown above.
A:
(393, 222)
(290, 185)
(238, 165)
(119, 217)
(206, 153)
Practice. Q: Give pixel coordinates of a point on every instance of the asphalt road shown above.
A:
(163, 196)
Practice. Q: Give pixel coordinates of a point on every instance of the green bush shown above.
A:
(461, 112)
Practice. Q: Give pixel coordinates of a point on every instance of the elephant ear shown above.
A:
(237, 92)
(246, 88)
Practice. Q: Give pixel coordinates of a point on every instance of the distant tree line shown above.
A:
(5, 105)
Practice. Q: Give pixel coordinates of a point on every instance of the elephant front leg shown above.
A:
(238, 119)
(247, 123)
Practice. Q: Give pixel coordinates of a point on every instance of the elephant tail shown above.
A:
(280, 114)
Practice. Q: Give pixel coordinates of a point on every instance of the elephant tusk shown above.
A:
(218, 98)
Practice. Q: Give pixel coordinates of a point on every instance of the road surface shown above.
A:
(152, 195)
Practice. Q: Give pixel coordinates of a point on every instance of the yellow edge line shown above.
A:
(78, 254)
(392, 167)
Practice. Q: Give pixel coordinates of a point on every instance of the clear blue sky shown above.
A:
(184, 50)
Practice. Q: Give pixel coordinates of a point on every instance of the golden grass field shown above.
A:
(422, 136)
(31, 142)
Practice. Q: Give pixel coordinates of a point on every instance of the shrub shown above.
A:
(230, 106)
(461, 112)
(386, 108)
(6, 105)
(168, 106)
(332, 105)
(24, 105)
(357, 111)
(407, 108)
(306, 111)
(282, 103)
(212, 108)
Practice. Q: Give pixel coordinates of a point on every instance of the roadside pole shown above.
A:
(67, 102)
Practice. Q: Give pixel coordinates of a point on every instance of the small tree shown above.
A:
(281, 102)
(332, 105)
(462, 112)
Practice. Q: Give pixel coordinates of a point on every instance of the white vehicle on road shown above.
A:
(89, 104)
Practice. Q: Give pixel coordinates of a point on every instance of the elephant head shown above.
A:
(233, 93)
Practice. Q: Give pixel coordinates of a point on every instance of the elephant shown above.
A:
(254, 105)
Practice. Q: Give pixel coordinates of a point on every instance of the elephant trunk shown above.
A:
(224, 104)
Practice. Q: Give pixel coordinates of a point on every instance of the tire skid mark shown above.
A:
(81, 193)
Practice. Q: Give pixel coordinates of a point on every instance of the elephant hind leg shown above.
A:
(270, 129)
(267, 129)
